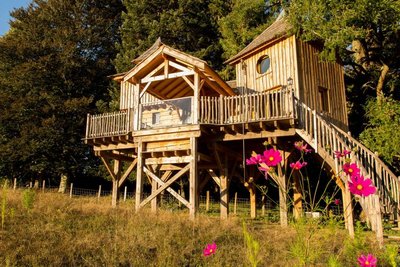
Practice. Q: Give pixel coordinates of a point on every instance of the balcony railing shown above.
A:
(265, 106)
(109, 124)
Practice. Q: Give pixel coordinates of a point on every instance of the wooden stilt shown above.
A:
(116, 177)
(207, 200)
(348, 211)
(193, 178)
(139, 177)
(282, 197)
(235, 204)
(154, 187)
(297, 197)
(224, 191)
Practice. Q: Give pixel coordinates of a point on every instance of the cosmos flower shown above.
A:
(254, 159)
(367, 261)
(358, 185)
(299, 145)
(210, 249)
(340, 154)
(351, 169)
(297, 165)
(337, 201)
(272, 157)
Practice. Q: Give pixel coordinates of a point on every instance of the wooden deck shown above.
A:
(266, 108)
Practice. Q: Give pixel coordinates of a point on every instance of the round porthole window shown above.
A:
(263, 64)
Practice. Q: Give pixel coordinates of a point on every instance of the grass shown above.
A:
(58, 231)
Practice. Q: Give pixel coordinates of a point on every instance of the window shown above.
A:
(263, 64)
(155, 118)
(323, 99)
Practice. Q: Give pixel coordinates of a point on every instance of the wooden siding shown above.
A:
(127, 96)
(314, 74)
(282, 66)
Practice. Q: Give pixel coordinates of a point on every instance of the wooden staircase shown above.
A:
(326, 138)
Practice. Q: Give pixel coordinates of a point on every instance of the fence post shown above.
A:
(15, 184)
(43, 185)
(70, 190)
(235, 204)
(99, 193)
(125, 193)
(207, 200)
(314, 114)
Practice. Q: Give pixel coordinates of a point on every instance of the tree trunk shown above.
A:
(381, 82)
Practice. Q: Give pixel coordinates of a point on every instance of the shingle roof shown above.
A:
(277, 29)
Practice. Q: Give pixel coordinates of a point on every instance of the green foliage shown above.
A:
(54, 63)
(382, 133)
(28, 199)
(391, 255)
(252, 247)
(3, 207)
(188, 25)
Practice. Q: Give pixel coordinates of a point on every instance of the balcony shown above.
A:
(273, 105)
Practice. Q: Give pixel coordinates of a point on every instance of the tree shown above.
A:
(363, 33)
(53, 67)
(187, 25)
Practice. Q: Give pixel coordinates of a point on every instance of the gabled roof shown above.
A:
(146, 53)
(169, 73)
(276, 30)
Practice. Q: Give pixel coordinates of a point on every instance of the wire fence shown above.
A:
(207, 204)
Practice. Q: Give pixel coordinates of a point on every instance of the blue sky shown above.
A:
(5, 7)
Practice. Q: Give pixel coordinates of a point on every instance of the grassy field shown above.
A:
(49, 229)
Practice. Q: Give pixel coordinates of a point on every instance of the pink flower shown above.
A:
(298, 165)
(358, 185)
(351, 169)
(210, 249)
(272, 157)
(254, 159)
(299, 145)
(344, 153)
(367, 261)
(264, 167)
(337, 202)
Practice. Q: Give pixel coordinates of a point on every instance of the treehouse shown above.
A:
(179, 119)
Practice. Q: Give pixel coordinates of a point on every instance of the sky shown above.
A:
(5, 7)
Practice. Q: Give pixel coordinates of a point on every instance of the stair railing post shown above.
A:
(314, 114)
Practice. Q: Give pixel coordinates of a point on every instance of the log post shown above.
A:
(282, 197)
(70, 190)
(224, 190)
(193, 179)
(15, 184)
(207, 200)
(117, 174)
(139, 177)
(252, 190)
(297, 197)
(348, 211)
(235, 204)
(99, 193)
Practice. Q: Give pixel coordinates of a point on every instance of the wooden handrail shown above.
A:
(108, 124)
(321, 134)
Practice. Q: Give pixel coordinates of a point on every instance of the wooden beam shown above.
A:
(130, 74)
(170, 190)
(262, 134)
(108, 167)
(145, 89)
(178, 66)
(127, 172)
(115, 182)
(169, 76)
(211, 84)
(193, 180)
(165, 185)
(215, 177)
(169, 160)
(154, 71)
(110, 155)
(139, 177)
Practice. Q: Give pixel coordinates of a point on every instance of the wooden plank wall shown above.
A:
(127, 99)
(315, 73)
(282, 66)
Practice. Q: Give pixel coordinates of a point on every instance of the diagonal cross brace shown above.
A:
(165, 185)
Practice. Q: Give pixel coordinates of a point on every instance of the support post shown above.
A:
(125, 190)
(282, 197)
(43, 185)
(15, 184)
(117, 174)
(224, 190)
(235, 204)
(154, 201)
(139, 177)
(99, 193)
(70, 190)
(348, 211)
(297, 197)
(193, 178)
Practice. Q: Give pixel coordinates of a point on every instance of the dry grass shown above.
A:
(59, 231)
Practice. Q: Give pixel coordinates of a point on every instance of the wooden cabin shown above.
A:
(179, 119)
